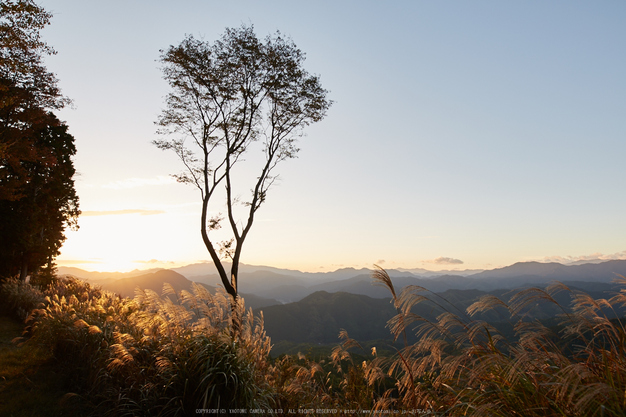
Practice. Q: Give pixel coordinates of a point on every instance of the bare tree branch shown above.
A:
(226, 96)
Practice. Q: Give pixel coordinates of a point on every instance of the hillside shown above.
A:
(318, 318)
(154, 281)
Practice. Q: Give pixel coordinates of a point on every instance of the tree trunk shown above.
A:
(24, 271)
(235, 328)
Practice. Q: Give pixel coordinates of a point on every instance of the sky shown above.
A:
(463, 135)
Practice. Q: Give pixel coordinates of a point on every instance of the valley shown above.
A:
(310, 309)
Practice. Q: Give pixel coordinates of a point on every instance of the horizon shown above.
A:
(85, 267)
(401, 269)
(471, 136)
(104, 266)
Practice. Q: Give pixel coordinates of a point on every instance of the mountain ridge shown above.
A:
(126, 287)
(279, 285)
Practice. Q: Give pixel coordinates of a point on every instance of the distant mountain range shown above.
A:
(285, 286)
(312, 307)
(600, 272)
(319, 317)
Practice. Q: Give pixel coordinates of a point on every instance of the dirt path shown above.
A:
(8, 330)
(31, 382)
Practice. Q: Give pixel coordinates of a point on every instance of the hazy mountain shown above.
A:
(154, 281)
(207, 268)
(536, 272)
(586, 261)
(289, 286)
(363, 284)
(96, 276)
(252, 280)
(539, 269)
(317, 305)
(425, 273)
(264, 284)
(288, 289)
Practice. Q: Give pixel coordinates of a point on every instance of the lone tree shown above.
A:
(37, 195)
(229, 97)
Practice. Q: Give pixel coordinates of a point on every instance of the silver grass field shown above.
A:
(170, 354)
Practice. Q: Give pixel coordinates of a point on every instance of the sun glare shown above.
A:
(125, 242)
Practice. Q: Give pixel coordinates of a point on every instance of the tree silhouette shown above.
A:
(37, 195)
(32, 225)
(227, 97)
(22, 52)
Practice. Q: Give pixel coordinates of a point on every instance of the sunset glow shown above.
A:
(468, 136)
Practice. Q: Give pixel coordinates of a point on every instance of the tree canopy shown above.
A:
(22, 51)
(27, 90)
(227, 96)
(37, 195)
(33, 225)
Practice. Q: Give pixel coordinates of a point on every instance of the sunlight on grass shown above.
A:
(173, 353)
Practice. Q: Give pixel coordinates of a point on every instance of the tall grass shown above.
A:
(169, 354)
(152, 355)
(464, 366)
(19, 298)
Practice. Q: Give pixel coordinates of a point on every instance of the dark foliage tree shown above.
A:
(37, 195)
(27, 89)
(237, 94)
(32, 226)
(22, 52)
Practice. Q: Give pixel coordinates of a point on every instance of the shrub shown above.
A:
(18, 298)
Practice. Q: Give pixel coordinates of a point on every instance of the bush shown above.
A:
(18, 298)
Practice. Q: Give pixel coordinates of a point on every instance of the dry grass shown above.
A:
(168, 354)
(463, 366)
(152, 355)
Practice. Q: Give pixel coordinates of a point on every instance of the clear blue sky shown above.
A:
(486, 132)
